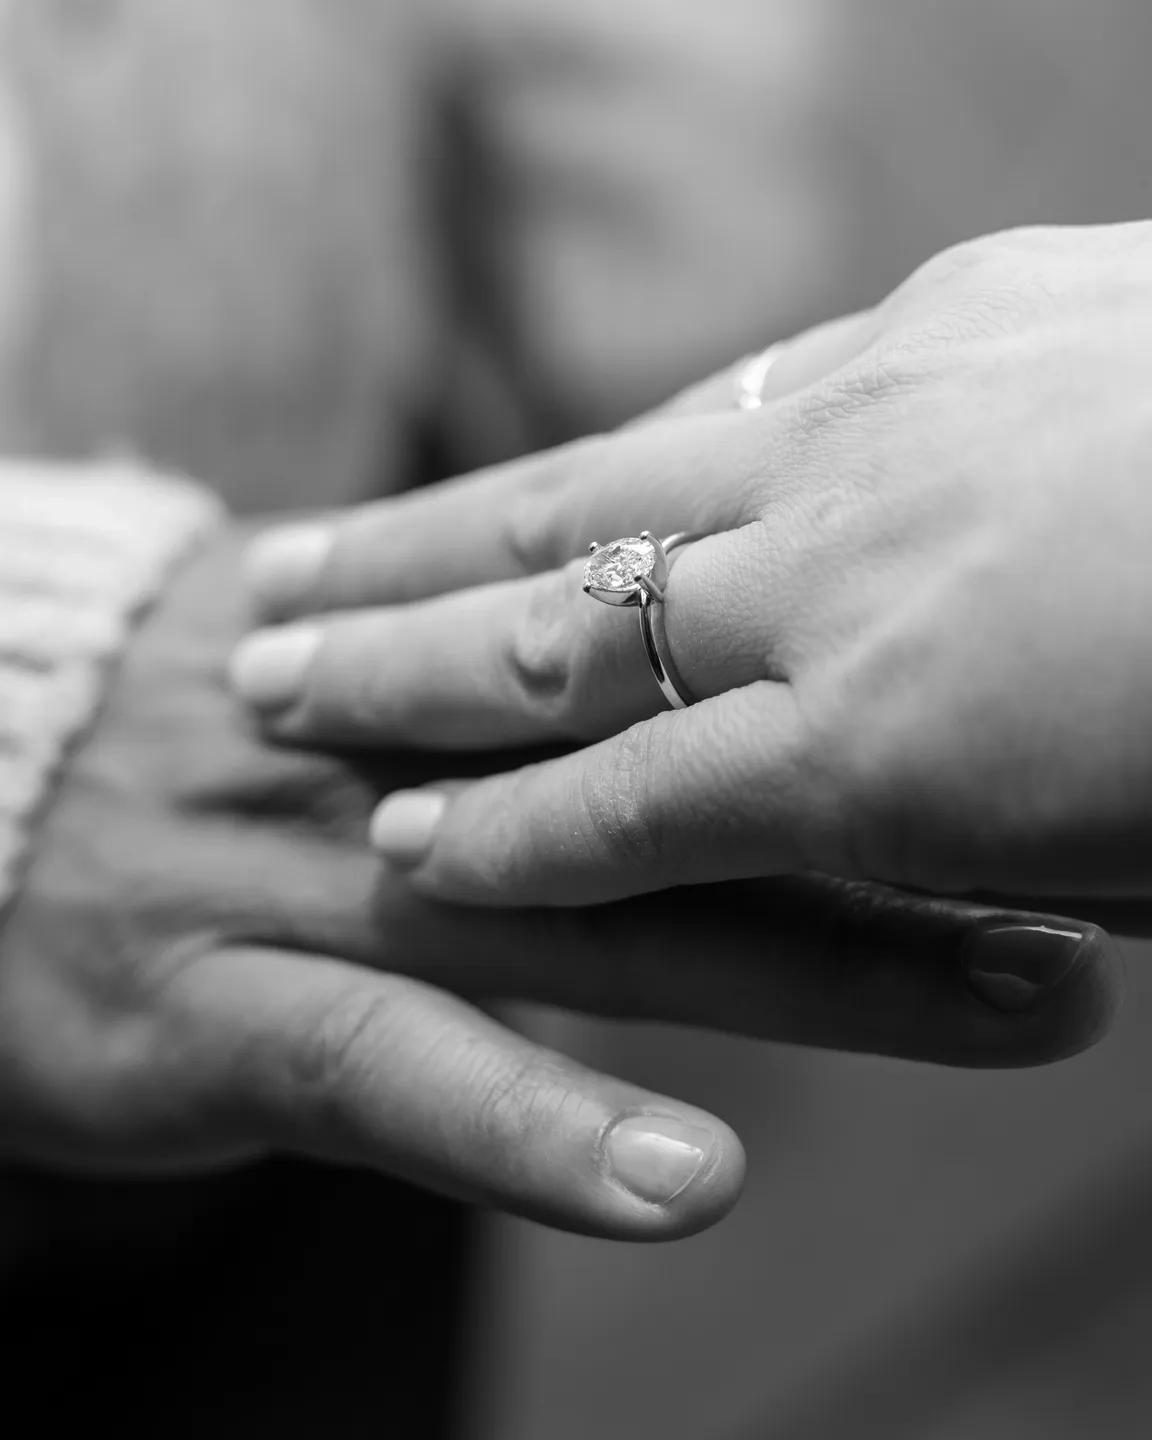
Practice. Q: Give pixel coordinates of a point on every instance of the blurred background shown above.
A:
(312, 252)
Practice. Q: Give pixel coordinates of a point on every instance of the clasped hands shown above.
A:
(917, 630)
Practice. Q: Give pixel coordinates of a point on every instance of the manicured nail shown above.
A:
(282, 564)
(654, 1157)
(268, 668)
(1016, 967)
(404, 826)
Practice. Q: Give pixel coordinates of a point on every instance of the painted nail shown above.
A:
(654, 1157)
(268, 668)
(404, 825)
(1016, 967)
(282, 564)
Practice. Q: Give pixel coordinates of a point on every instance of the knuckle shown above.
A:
(538, 526)
(530, 532)
(362, 702)
(335, 1059)
(616, 802)
(958, 262)
(985, 287)
(851, 397)
(519, 1100)
(538, 655)
(342, 694)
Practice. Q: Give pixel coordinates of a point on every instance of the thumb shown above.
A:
(345, 1064)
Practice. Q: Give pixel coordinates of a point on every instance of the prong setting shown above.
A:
(630, 596)
(633, 572)
(618, 573)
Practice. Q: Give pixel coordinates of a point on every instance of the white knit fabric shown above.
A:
(83, 550)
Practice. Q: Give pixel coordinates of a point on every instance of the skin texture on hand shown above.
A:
(207, 963)
(916, 628)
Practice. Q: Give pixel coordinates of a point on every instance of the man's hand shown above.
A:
(206, 964)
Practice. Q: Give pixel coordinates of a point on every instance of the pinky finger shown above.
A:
(796, 364)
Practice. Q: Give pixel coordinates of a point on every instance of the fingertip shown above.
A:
(1060, 990)
(670, 1176)
(1086, 1002)
(267, 669)
(281, 565)
(403, 827)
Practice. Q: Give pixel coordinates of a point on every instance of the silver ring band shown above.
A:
(752, 377)
(633, 571)
(655, 636)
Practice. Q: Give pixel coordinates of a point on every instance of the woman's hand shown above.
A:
(919, 629)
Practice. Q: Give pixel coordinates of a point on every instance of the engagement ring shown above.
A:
(634, 571)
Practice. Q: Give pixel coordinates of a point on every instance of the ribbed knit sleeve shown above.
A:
(84, 549)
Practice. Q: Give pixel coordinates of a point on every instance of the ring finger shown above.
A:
(517, 662)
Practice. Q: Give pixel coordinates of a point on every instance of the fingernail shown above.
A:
(281, 564)
(654, 1157)
(1016, 967)
(268, 668)
(404, 826)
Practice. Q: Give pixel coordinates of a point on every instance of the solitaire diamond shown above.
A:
(616, 566)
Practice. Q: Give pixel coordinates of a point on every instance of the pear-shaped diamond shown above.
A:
(616, 566)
